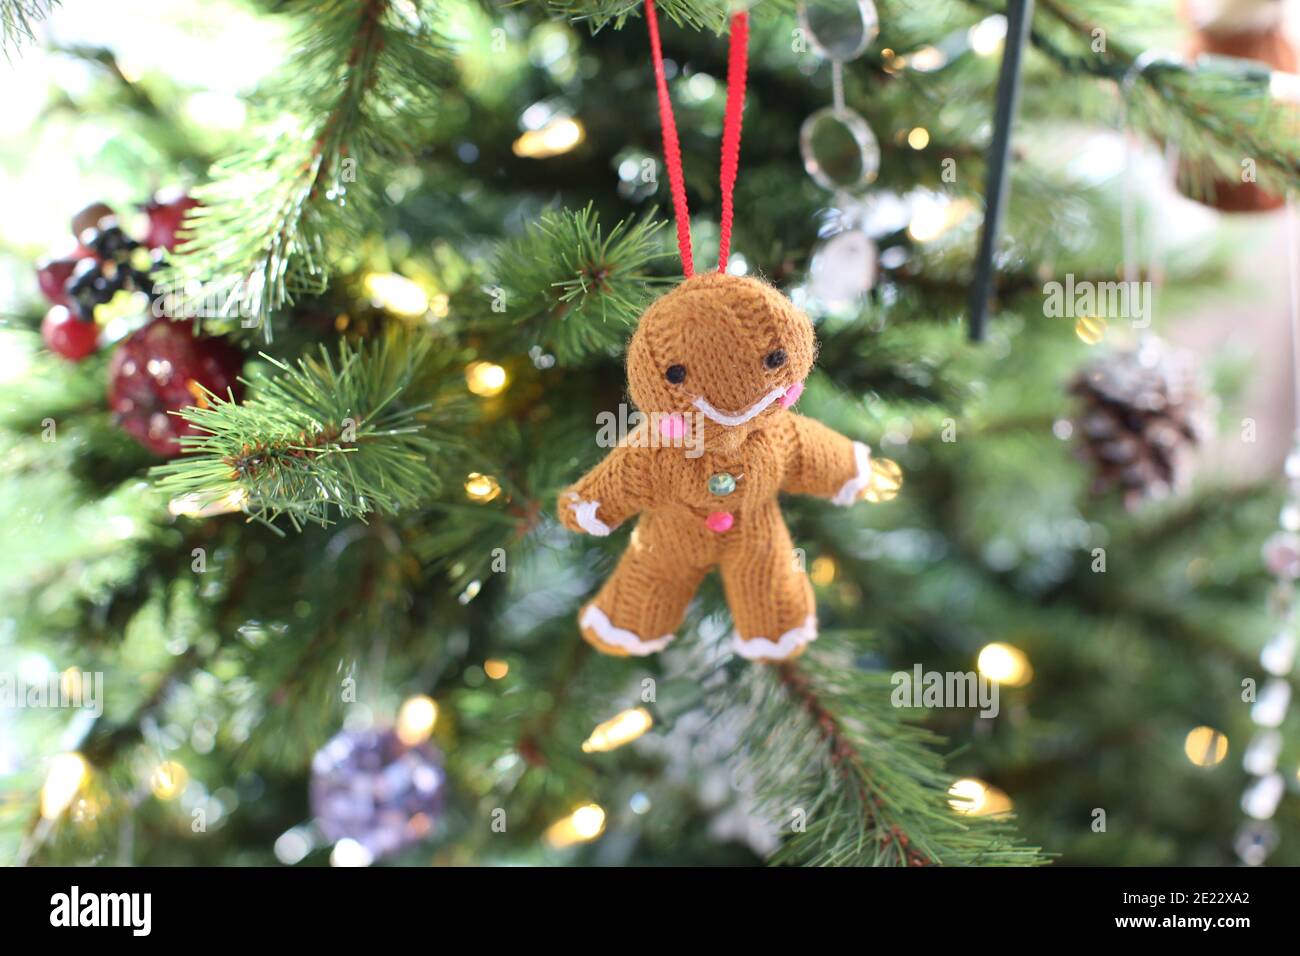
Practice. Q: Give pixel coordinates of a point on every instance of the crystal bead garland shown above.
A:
(839, 150)
(1258, 836)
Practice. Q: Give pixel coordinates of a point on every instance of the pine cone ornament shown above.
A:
(1140, 420)
(159, 370)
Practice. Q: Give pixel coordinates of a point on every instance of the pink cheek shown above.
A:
(792, 394)
(672, 426)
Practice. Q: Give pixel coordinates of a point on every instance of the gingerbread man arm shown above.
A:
(824, 463)
(609, 494)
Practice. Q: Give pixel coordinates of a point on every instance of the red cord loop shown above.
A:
(737, 63)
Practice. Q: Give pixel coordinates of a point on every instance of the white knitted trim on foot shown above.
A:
(850, 490)
(722, 418)
(584, 512)
(761, 649)
(594, 618)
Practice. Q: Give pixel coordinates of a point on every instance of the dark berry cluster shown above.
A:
(104, 261)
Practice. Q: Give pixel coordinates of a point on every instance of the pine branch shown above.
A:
(329, 435)
(360, 87)
(696, 14)
(824, 739)
(18, 19)
(573, 289)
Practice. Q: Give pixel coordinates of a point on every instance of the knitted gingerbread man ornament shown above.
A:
(720, 358)
(714, 366)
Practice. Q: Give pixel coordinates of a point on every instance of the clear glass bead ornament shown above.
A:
(1255, 841)
(838, 148)
(839, 29)
(843, 268)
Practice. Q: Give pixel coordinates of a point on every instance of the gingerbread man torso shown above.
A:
(716, 500)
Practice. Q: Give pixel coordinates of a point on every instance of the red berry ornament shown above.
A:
(165, 218)
(53, 275)
(67, 335)
(159, 370)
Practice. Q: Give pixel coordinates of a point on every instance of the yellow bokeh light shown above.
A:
(486, 379)
(169, 780)
(1004, 664)
(67, 773)
(496, 669)
(919, 138)
(886, 481)
(194, 505)
(987, 36)
(930, 220)
(1090, 329)
(973, 797)
(822, 571)
(481, 488)
(415, 719)
(581, 826)
(1205, 746)
(618, 730)
(555, 138)
(397, 294)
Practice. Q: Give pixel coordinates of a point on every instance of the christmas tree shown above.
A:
(314, 310)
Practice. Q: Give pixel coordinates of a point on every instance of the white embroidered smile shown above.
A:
(723, 418)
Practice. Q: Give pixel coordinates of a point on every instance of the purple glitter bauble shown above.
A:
(370, 787)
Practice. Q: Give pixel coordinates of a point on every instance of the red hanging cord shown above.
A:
(737, 62)
(672, 148)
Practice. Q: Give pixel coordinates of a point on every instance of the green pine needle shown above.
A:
(18, 19)
(331, 436)
(572, 288)
(361, 86)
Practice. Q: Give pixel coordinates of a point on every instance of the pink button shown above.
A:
(720, 521)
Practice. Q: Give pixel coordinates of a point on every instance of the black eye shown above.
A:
(676, 374)
(775, 359)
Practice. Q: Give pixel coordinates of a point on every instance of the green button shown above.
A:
(722, 484)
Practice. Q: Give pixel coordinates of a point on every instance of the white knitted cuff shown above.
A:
(584, 512)
(596, 619)
(852, 488)
(762, 649)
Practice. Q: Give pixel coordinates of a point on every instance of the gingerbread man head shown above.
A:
(729, 349)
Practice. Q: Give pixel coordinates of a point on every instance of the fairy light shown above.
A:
(348, 852)
(554, 139)
(1205, 746)
(396, 294)
(68, 771)
(1004, 664)
(918, 138)
(927, 59)
(415, 719)
(486, 379)
(886, 481)
(618, 730)
(973, 797)
(496, 669)
(169, 780)
(194, 506)
(934, 216)
(481, 488)
(1090, 329)
(581, 826)
(987, 36)
(822, 571)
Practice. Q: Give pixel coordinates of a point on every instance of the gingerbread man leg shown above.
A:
(642, 604)
(770, 596)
